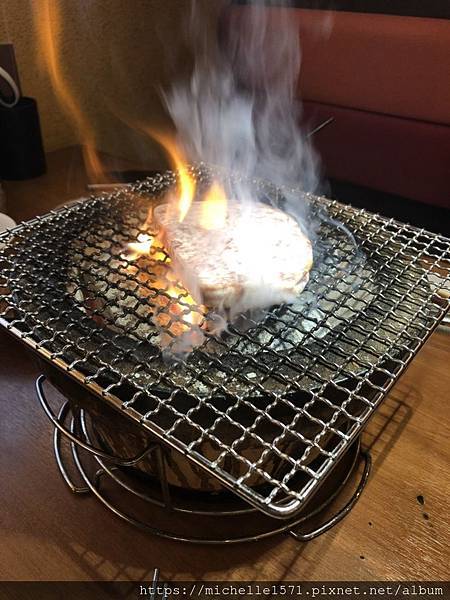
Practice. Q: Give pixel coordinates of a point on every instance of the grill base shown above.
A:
(155, 506)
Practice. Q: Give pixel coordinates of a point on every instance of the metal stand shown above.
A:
(166, 499)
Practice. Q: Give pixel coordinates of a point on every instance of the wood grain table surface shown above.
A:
(399, 530)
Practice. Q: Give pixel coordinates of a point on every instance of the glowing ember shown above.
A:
(180, 308)
(176, 314)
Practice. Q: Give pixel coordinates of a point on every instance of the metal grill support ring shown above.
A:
(83, 443)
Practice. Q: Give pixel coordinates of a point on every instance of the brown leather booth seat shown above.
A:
(386, 80)
(399, 156)
(380, 63)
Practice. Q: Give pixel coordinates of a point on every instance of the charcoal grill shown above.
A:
(269, 410)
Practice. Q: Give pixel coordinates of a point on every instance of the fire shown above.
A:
(49, 35)
(176, 312)
(186, 193)
(141, 247)
(146, 245)
(214, 204)
(214, 208)
(186, 185)
(183, 305)
(178, 317)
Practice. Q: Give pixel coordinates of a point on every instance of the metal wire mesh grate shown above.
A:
(269, 407)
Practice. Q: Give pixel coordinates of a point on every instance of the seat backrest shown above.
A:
(381, 63)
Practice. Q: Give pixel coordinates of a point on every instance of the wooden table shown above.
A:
(65, 180)
(398, 530)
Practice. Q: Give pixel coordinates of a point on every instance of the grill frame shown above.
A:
(382, 234)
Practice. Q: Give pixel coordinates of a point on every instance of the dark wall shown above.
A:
(439, 9)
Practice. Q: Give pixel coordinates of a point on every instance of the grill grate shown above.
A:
(269, 408)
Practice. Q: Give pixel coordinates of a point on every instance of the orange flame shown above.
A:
(213, 212)
(142, 246)
(179, 315)
(49, 33)
(177, 312)
(182, 305)
(186, 192)
(186, 184)
(146, 245)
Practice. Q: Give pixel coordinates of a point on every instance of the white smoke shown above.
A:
(239, 110)
(240, 107)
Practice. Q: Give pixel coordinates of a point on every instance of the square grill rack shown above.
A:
(269, 408)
